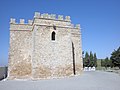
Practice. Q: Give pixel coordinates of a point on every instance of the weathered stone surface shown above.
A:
(20, 54)
(22, 21)
(21, 27)
(34, 55)
(12, 21)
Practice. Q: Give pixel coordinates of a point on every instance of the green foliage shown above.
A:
(95, 59)
(106, 63)
(102, 63)
(86, 60)
(89, 60)
(115, 57)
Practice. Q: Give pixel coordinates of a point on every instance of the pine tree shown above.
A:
(86, 60)
(102, 63)
(95, 59)
(106, 62)
(91, 59)
(115, 57)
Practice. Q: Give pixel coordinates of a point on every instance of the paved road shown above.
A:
(88, 81)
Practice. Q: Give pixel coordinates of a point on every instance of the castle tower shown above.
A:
(45, 47)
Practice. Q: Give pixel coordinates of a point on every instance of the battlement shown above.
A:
(52, 16)
(75, 26)
(22, 21)
(46, 19)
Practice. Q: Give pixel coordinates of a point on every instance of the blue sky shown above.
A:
(99, 19)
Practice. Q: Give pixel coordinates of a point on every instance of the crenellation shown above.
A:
(77, 26)
(12, 21)
(49, 16)
(60, 17)
(47, 22)
(30, 22)
(22, 21)
(67, 18)
(46, 15)
(42, 16)
(37, 15)
(53, 16)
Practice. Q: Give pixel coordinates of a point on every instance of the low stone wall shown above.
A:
(3, 72)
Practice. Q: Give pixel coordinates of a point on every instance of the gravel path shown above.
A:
(88, 81)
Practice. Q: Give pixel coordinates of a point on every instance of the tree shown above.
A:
(106, 62)
(91, 60)
(115, 57)
(102, 62)
(86, 60)
(95, 59)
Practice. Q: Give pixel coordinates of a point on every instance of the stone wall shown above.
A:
(34, 55)
(76, 39)
(52, 56)
(20, 54)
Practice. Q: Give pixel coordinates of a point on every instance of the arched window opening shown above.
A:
(54, 27)
(53, 35)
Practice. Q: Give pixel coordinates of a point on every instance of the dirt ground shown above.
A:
(95, 80)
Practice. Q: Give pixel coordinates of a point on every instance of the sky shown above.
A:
(99, 20)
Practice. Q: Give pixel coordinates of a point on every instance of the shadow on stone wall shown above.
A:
(3, 72)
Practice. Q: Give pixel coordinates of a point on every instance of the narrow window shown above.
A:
(53, 35)
(54, 27)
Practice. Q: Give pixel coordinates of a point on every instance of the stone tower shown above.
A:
(45, 47)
